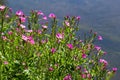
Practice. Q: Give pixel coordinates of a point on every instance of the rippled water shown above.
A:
(102, 16)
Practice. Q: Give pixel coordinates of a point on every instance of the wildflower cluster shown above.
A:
(32, 48)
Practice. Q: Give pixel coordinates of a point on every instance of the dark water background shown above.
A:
(102, 16)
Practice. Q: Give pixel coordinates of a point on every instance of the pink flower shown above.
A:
(2, 7)
(10, 32)
(114, 69)
(68, 77)
(67, 23)
(70, 46)
(51, 69)
(44, 26)
(40, 13)
(60, 35)
(24, 37)
(85, 70)
(53, 50)
(78, 68)
(17, 29)
(7, 16)
(22, 26)
(104, 53)
(51, 15)
(97, 48)
(44, 18)
(81, 41)
(19, 13)
(83, 76)
(43, 41)
(89, 76)
(39, 31)
(5, 62)
(28, 39)
(100, 38)
(104, 62)
(22, 19)
(67, 16)
(10, 9)
(78, 17)
(56, 65)
(31, 40)
(4, 38)
(29, 31)
(84, 55)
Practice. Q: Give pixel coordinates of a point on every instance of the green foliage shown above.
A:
(32, 51)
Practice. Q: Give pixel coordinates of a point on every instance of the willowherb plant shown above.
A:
(29, 50)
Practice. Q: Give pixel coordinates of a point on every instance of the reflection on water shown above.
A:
(102, 16)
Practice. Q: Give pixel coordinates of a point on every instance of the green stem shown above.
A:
(2, 42)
